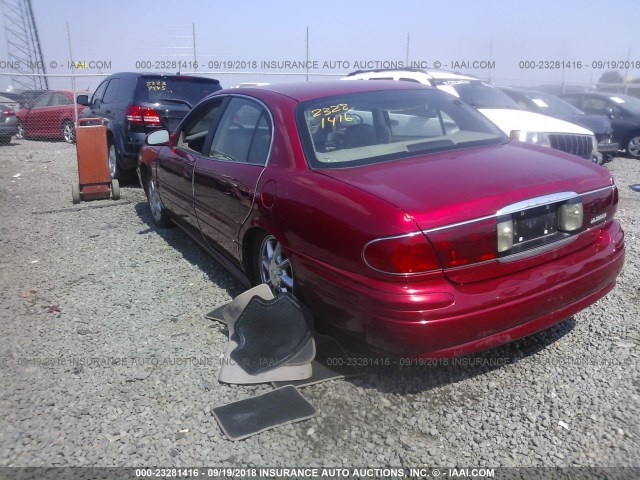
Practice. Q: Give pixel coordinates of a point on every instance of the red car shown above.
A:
(51, 116)
(395, 211)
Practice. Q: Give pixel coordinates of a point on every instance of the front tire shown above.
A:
(159, 214)
(68, 132)
(114, 168)
(633, 145)
(271, 265)
(22, 132)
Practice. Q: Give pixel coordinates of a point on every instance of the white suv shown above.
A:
(498, 107)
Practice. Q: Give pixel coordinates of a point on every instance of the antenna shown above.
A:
(23, 46)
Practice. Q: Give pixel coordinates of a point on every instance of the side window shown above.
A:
(97, 95)
(113, 92)
(60, 99)
(244, 133)
(575, 101)
(43, 101)
(194, 133)
(594, 105)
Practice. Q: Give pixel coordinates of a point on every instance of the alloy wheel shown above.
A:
(155, 204)
(113, 160)
(68, 132)
(275, 267)
(633, 147)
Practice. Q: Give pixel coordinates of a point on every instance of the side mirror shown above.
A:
(83, 100)
(159, 137)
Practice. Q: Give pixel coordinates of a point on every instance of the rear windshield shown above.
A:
(364, 128)
(159, 89)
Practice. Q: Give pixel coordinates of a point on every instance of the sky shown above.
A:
(506, 42)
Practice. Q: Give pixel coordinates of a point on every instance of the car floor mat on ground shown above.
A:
(331, 363)
(245, 418)
(232, 310)
(298, 368)
(232, 372)
(216, 314)
(271, 332)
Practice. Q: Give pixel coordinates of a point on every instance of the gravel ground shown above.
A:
(101, 313)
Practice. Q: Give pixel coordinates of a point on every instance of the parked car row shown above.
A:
(614, 119)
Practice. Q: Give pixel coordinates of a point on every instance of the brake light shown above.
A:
(401, 255)
(142, 115)
(8, 113)
(466, 243)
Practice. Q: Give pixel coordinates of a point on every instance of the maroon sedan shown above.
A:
(395, 211)
(51, 115)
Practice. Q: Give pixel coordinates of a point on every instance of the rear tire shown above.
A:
(5, 140)
(271, 264)
(114, 160)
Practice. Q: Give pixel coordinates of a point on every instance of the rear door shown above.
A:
(176, 165)
(38, 116)
(225, 180)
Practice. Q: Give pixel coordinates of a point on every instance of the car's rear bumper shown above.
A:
(608, 147)
(437, 318)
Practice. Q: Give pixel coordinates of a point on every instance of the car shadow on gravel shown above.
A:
(192, 252)
(408, 376)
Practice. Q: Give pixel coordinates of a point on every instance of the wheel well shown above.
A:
(632, 134)
(144, 172)
(248, 245)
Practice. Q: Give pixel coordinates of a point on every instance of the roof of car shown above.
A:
(159, 74)
(600, 94)
(302, 91)
(417, 74)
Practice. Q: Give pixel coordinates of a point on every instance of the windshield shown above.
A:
(631, 104)
(159, 89)
(365, 128)
(551, 105)
(476, 93)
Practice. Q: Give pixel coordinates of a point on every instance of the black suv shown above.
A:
(134, 104)
(622, 110)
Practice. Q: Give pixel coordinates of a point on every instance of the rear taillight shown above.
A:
(8, 113)
(142, 115)
(401, 255)
(465, 243)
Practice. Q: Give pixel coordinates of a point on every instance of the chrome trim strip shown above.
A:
(515, 207)
(537, 250)
(537, 202)
(609, 187)
(453, 225)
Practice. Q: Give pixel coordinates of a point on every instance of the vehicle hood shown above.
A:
(598, 124)
(448, 187)
(508, 119)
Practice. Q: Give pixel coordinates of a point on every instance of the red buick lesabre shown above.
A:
(395, 211)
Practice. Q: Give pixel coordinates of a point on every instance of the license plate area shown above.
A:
(533, 228)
